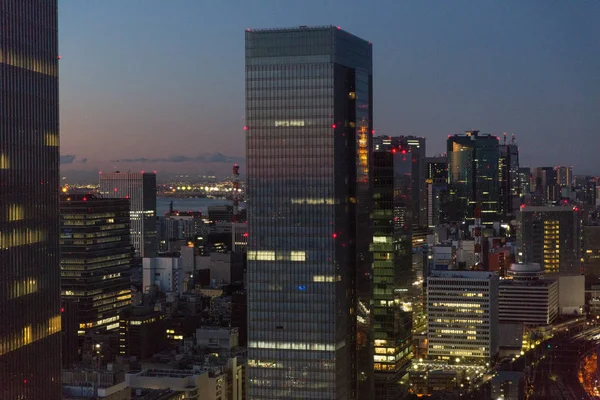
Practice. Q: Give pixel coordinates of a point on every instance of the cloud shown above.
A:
(202, 158)
(67, 159)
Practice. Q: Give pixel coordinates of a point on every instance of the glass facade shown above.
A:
(393, 206)
(29, 173)
(96, 256)
(309, 125)
(508, 179)
(473, 177)
(140, 189)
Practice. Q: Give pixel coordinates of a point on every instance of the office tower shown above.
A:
(462, 315)
(524, 181)
(473, 177)
(416, 146)
(29, 173)
(591, 249)
(419, 156)
(550, 236)
(140, 189)
(588, 185)
(526, 298)
(309, 127)
(564, 176)
(142, 332)
(436, 180)
(546, 186)
(392, 268)
(508, 178)
(95, 258)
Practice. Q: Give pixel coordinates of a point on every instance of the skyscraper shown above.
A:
(140, 189)
(524, 181)
(564, 176)
(392, 268)
(473, 176)
(29, 172)
(96, 255)
(546, 184)
(416, 146)
(436, 180)
(508, 178)
(309, 127)
(550, 236)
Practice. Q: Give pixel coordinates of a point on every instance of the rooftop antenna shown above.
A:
(504, 137)
(513, 139)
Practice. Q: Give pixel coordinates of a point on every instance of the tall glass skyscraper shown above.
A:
(393, 208)
(140, 189)
(29, 172)
(473, 176)
(309, 127)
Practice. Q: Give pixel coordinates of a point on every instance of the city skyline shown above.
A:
(519, 74)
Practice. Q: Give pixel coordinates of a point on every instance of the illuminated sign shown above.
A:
(293, 122)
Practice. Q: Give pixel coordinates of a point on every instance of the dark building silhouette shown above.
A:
(29, 177)
(142, 333)
(473, 177)
(309, 137)
(239, 315)
(96, 255)
(508, 179)
(392, 268)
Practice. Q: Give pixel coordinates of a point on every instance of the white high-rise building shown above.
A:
(140, 189)
(526, 298)
(462, 316)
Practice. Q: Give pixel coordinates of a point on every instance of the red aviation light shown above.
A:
(393, 150)
(334, 235)
(333, 126)
(403, 151)
(245, 128)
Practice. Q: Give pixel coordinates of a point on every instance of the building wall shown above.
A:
(165, 272)
(462, 315)
(140, 189)
(534, 303)
(551, 237)
(29, 172)
(308, 152)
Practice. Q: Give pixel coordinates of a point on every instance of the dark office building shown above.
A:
(546, 185)
(473, 177)
(239, 315)
(309, 127)
(436, 169)
(392, 269)
(508, 179)
(416, 146)
(96, 255)
(436, 180)
(140, 189)
(550, 236)
(524, 181)
(29, 173)
(587, 186)
(142, 333)
(220, 213)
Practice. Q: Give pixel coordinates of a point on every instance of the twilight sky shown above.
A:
(160, 83)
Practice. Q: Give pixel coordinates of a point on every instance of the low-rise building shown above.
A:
(526, 298)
